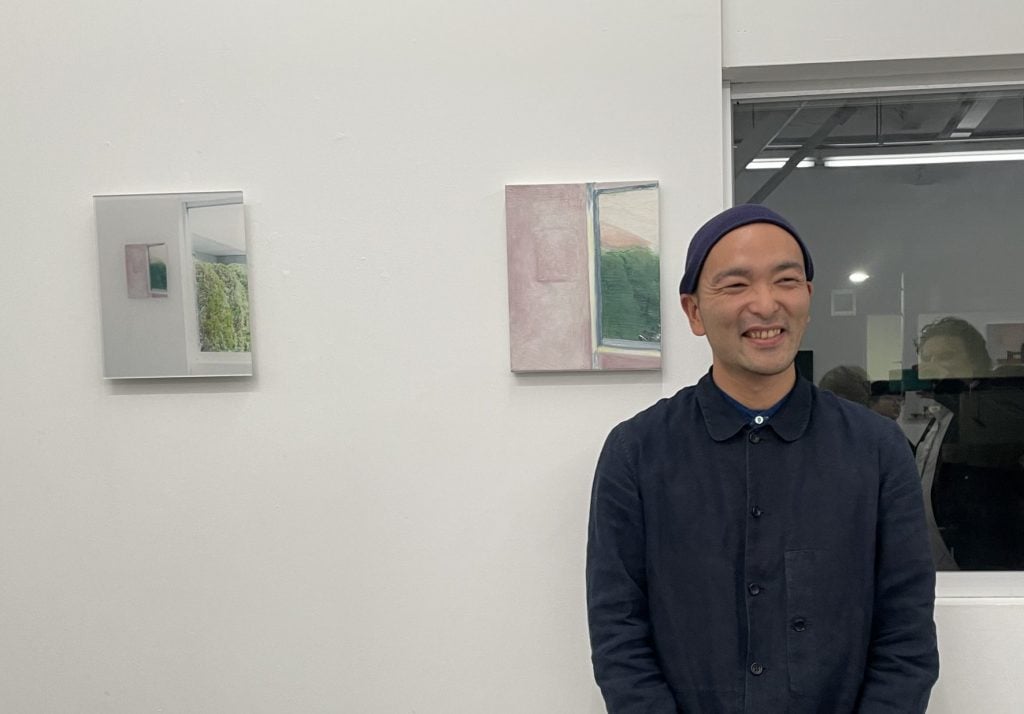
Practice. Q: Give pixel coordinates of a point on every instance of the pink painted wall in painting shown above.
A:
(635, 360)
(136, 264)
(548, 275)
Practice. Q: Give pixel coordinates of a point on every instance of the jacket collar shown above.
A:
(724, 421)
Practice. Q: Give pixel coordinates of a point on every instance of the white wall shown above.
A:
(384, 519)
(783, 32)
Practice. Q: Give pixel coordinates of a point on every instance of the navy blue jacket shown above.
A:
(784, 568)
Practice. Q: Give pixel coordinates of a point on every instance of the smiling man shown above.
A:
(755, 544)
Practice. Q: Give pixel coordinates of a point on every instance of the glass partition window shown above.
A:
(911, 206)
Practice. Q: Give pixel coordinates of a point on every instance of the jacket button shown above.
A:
(757, 669)
(754, 589)
(799, 624)
(756, 512)
(754, 438)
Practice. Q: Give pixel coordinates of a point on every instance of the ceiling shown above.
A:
(802, 130)
(956, 121)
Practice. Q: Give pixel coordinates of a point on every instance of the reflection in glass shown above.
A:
(971, 464)
(222, 282)
(222, 296)
(935, 338)
(145, 269)
(157, 269)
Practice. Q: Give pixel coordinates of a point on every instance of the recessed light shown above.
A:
(858, 277)
(777, 164)
(941, 157)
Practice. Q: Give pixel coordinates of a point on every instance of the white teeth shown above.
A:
(765, 334)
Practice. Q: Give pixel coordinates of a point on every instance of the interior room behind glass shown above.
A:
(913, 208)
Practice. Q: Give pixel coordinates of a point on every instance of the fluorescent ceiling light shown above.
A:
(777, 164)
(858, 277)
(942, 157)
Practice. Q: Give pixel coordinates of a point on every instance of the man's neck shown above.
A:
(758, 391)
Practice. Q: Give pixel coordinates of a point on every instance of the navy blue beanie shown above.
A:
(728, 220)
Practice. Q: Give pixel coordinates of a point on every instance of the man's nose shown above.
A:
(762, 301)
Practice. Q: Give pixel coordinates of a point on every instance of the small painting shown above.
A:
(584, 276)
(189, 250)
(146, 270)
(157, 264)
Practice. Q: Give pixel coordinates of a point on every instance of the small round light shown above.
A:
(858, 277)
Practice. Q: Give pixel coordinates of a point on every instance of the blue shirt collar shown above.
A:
(755, 417)
(724, 420)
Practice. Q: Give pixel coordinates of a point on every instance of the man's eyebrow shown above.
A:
(731, 273)
(738, 272)
(789, 265)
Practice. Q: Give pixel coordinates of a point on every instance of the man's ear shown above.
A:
(692, 310)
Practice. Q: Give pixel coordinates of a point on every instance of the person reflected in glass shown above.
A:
(886, 400)
(950, 351)
(951, 348)
(971, 457)
(849, 382)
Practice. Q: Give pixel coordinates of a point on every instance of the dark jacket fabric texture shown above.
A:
(775, 568)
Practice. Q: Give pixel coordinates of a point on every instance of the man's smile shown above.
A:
(763, 333)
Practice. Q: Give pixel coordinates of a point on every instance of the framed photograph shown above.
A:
(174, 285)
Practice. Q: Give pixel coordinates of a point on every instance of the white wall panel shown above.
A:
(384, 519)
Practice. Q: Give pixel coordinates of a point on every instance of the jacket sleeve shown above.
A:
(625, 664)
(903, 658)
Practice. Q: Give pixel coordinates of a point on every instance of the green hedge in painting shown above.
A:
(157, 275)
(222, 295)
(630, 295)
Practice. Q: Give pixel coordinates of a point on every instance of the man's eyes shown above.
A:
(739, 286)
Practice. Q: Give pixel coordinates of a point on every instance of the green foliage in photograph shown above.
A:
(157, 275)
(222, 294)
(630, 295)
(236, 282)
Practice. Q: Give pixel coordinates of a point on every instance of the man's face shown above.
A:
(752, 302)
(944, 357)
